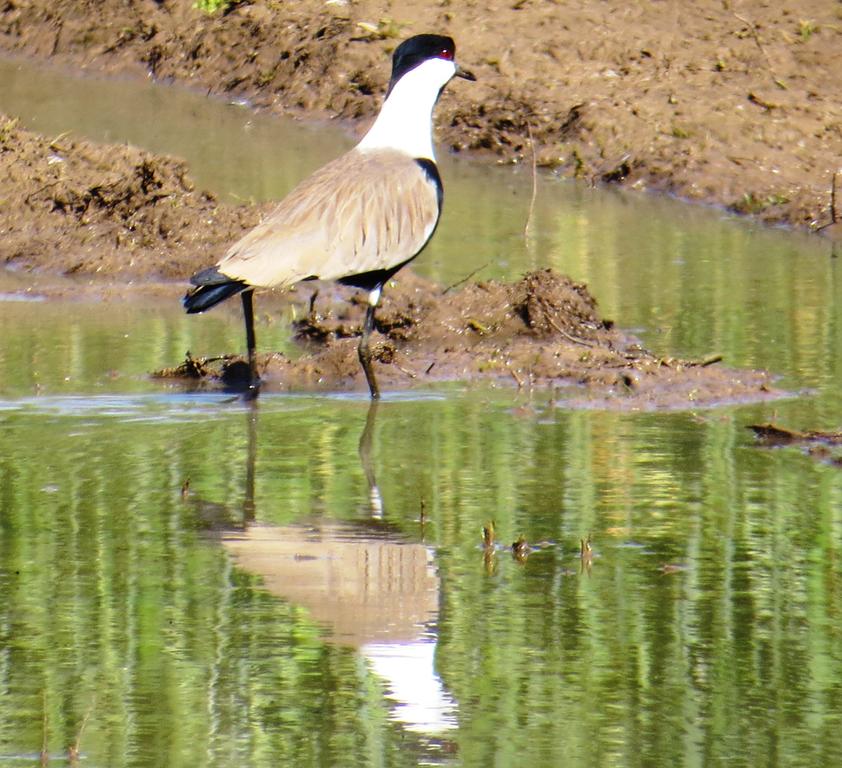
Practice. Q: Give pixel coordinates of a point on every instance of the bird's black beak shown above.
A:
(464, 73)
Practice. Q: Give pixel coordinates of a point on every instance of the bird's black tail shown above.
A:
(211, 288)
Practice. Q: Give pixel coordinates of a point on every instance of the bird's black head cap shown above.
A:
(418, 49)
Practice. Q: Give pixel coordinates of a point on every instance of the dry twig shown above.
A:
(464, 279)
(534, 181)
(752, 28)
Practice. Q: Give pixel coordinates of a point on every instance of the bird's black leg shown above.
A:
(363, 350)
(248, 314)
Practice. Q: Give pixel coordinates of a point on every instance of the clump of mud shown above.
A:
(190, 368)
(543, 330)
(73, 206)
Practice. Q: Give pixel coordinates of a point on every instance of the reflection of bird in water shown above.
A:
(370, 587)
(364, 580)
(216, 516)
(360, 218)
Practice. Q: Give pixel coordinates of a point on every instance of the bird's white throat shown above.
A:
(405, 122)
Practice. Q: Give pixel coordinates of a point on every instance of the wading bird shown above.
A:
(360, 218)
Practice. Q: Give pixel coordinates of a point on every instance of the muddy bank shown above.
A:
(76, 207)
(737, 104)
(541, 331)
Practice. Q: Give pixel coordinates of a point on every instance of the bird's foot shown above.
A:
(238, 377)
(252, 391)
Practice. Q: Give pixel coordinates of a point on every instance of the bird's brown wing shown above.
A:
(364, 211)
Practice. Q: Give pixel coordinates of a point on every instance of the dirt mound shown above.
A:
(541, 331)
(735, 104)
(73, 206)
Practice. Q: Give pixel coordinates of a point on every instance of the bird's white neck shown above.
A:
(405, 122)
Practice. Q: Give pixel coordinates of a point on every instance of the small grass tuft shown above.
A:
(7, 130)
(806, 29)
(215, 6)
(750, 203)
(385, 29)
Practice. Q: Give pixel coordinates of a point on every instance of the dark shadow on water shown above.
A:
(217, 518)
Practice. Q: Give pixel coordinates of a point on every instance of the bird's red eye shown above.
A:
(446, 54)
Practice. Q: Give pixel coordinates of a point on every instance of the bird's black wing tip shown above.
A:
(209, 276)
(213, 288)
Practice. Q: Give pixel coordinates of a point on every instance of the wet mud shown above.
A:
(542, 331)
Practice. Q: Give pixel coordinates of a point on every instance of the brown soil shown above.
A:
(733, 103)
(595, 109)
(72, 206)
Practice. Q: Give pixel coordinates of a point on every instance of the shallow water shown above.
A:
(306, 602)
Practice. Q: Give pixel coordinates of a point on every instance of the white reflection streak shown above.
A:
(423, 704)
